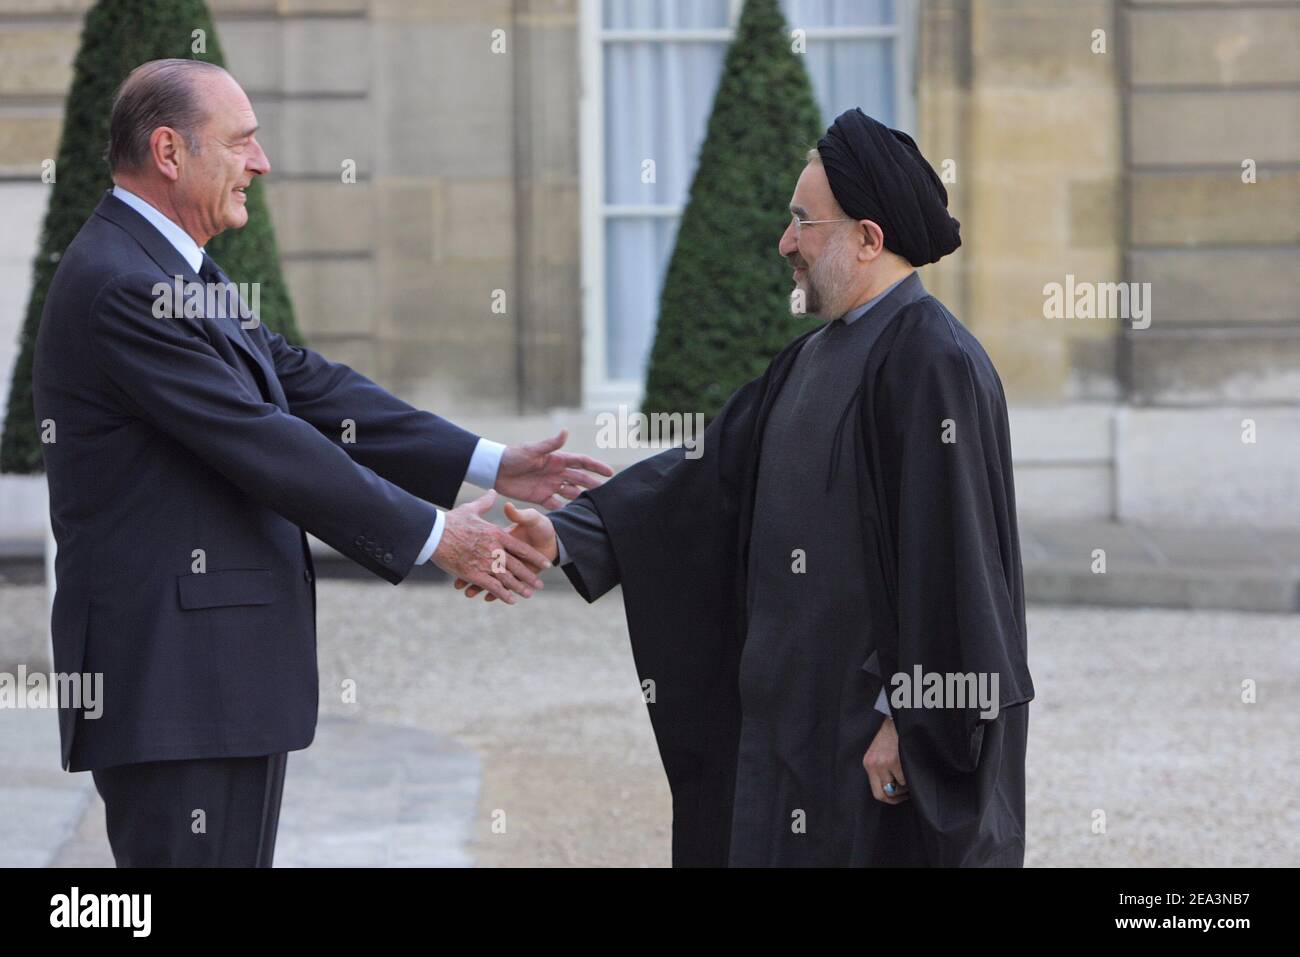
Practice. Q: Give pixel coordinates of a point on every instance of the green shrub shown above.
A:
(725, 307)
(118, 36)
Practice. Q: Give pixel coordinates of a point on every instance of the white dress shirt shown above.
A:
(184, 243)
(483, 464)
(482, 471)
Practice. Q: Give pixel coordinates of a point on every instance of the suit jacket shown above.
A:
(188, 456)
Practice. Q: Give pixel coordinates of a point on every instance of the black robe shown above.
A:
(939, 522)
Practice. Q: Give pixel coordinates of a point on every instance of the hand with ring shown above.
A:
(884, 767)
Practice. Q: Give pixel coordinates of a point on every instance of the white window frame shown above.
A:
(599, 392)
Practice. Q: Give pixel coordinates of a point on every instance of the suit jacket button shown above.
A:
(358, 541)
(388, 558)
(306, 575)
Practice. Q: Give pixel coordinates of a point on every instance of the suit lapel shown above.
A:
(232, 328)
(172, 263)
(162, 252)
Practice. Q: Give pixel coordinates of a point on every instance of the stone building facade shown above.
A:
(1102, 140)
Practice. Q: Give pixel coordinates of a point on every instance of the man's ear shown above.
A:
(165, 147)
(871, 240)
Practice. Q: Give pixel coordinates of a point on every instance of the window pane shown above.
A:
(849, 73)
(657, 101)
(838, 13)
(664, 14)
(636, 259)
(658, 97)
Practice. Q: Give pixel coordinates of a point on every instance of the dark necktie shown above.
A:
(209, 271)
(229, 319)
(226, 298)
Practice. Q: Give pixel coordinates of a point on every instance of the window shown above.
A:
(650, 71)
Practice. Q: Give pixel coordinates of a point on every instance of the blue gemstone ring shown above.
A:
(890, 789)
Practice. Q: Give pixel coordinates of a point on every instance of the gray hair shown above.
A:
(154, 94)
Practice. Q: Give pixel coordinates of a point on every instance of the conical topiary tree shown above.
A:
(119, 35)
(725, 307)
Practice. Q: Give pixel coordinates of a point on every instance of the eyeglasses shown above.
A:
(799, 224)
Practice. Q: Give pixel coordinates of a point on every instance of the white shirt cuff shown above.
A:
(435, 537)
(881, 704)
(559, 544)
(484, 464)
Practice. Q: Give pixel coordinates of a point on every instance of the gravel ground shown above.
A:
(1138, 717)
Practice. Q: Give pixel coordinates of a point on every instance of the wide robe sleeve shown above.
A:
(678, 529)
(672, 524)
(952, 557)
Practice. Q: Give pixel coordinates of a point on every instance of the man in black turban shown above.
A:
(867, 210)
(828, 602)
(879, 174)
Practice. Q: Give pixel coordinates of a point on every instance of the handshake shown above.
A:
(505, 562)
(502, 562)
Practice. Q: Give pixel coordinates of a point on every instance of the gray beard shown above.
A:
(827, 284)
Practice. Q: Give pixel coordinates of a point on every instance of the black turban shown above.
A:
(879, 174)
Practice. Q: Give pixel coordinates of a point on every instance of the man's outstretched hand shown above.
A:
(491, 558)
(535, 472)
(530, 527)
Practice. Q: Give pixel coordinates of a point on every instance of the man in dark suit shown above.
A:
(188, 448)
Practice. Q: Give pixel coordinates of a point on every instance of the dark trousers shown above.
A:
(153, 811)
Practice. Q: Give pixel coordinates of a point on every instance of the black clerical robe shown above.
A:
(932, 466)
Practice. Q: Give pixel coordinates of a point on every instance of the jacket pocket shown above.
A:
(230, 586)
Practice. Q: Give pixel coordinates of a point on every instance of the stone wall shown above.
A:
(1120, 164)
(466, 179)
(1125, 165)
(1210, 86)
(1013, 93)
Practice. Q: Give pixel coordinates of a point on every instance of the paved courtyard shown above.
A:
(499, 736)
